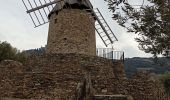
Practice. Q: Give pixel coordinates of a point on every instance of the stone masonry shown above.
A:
(73, 77)
(71, 31)
(55, 77)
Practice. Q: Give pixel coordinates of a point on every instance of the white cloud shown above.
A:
(126, 40)
(16, 26)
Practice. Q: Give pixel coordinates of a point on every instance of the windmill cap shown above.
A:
(74, 4)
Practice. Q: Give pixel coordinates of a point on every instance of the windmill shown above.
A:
(72, 25)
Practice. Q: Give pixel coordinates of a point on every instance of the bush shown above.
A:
(11, 53)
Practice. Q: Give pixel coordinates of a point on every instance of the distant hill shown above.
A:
(38, 51)
(159, 67)
(131, 64)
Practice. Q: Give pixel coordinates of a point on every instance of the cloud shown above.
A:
(126, 40)
(17, 28)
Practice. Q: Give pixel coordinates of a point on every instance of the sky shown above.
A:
(17, 28)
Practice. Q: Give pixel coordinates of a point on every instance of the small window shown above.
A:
(55, 21)
(65, 38)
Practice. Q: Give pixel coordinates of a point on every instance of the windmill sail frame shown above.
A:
(102, 28)
(39, 11)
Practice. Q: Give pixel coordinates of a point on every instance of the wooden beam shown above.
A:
(42, 6)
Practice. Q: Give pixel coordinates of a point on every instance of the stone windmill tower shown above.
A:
(71, 30)
(72, 25)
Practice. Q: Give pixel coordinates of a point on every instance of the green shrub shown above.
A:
(11, 53)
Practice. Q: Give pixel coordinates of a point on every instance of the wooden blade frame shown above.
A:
(38, 10)
(102, 28)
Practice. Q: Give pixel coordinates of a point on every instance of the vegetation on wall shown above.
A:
(7, 52)
(151, 22)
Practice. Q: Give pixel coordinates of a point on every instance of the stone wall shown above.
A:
(11, 78)
(141, 87)
(73, 77)
(55, 77)
(71, 31)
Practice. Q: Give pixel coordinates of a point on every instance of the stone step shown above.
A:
(112, 97)
(6, 98)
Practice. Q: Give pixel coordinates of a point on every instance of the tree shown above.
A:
(167, 53)
(151, 22)
(9, 52)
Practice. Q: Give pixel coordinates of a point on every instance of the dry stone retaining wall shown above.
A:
(53, 77)
(68, 76)
(141, 87)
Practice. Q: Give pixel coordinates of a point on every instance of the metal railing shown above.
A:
(109, 53)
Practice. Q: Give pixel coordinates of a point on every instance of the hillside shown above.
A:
(133, 64)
